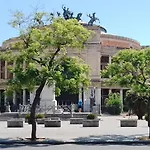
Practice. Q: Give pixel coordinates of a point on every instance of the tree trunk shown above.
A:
(33, 108)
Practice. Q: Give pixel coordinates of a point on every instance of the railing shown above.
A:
(24, 108)
(98, 109)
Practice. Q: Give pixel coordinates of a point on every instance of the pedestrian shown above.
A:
(80, 105)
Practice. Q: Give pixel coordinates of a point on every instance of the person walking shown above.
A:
(80, 104)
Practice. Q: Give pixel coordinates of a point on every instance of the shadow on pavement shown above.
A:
(112, 137)
(3, 146)
(11, 143)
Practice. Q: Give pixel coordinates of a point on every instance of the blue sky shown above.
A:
(130, 18)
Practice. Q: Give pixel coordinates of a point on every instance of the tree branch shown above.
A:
(26, 40)
(39, 61)
(53, 57)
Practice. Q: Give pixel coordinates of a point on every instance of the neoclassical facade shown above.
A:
(97, 54)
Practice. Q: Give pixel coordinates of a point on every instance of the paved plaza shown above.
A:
(109, 129)
(73, 147)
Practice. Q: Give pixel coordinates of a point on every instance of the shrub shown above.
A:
(91, 116)
(36, 116)
(39, 116)
(113, 104)
(27, 116)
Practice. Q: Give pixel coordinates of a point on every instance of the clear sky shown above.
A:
(130, 18)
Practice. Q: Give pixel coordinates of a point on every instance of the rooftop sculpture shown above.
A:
(92, 19)
(67, 14)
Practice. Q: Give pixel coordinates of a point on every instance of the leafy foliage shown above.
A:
(39, 116)
(40, 54)
(42, 50)
(113, 99)
(130, 68)
(113, 104)
(137, 103)
(27, 116)
(70, 74)
(91, 116)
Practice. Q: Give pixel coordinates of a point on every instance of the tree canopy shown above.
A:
(71, 74)
(40, 51)
(130, 69)
(40, 54)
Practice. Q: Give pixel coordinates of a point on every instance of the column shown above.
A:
(54, 101)
(85, 95)
(32, 95)
(87, 100)
(24, 97)
(80, 93)
(5, 69)
(109, 59)
(96, 96)
(110, 91)
(14, 97)
(98, 100)
(54, 96)
(121, 98)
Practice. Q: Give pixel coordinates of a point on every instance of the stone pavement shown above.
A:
(109, 130)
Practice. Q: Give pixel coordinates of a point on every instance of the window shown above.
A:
(2, 69)
(9, 74)
(104, 62)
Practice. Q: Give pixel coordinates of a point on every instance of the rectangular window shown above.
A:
(2, 69)
(104, 62)
(9, 74)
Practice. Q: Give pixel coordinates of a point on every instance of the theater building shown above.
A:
(97, 54)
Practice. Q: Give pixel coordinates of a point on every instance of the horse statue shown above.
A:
(71, 16)
(58, 14)
(67, 14)
(79, 15)
(92, 19)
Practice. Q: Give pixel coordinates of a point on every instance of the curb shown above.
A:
(18, 142)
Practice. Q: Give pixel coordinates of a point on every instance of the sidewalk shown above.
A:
(109, 132)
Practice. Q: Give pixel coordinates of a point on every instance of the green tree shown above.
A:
(70, 74)
(137, 103)
(130, 68)
(40, 54)
(113, 104)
